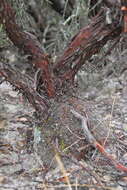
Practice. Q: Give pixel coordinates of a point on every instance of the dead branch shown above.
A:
(91, 139)
(24, 85)
(95, 6)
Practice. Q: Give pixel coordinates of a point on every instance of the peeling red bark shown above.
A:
(86, 43)
(25, 42)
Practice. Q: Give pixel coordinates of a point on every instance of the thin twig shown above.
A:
(86, 131)
(91, 139)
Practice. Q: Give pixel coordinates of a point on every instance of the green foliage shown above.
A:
(63, 145)
(63, 30)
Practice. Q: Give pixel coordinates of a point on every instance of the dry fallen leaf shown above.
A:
(2, 179)
(2, 123)
(22, 119)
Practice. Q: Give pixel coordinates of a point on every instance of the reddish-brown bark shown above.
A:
(124, 9)
(86, 43)
(25, 42)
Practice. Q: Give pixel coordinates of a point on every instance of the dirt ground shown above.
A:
(28, 156)
(55, 154)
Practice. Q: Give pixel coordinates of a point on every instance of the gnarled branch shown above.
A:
(24, 41)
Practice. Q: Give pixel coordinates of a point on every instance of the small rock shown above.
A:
(119, 188)
(2, 179)
(106, 178)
